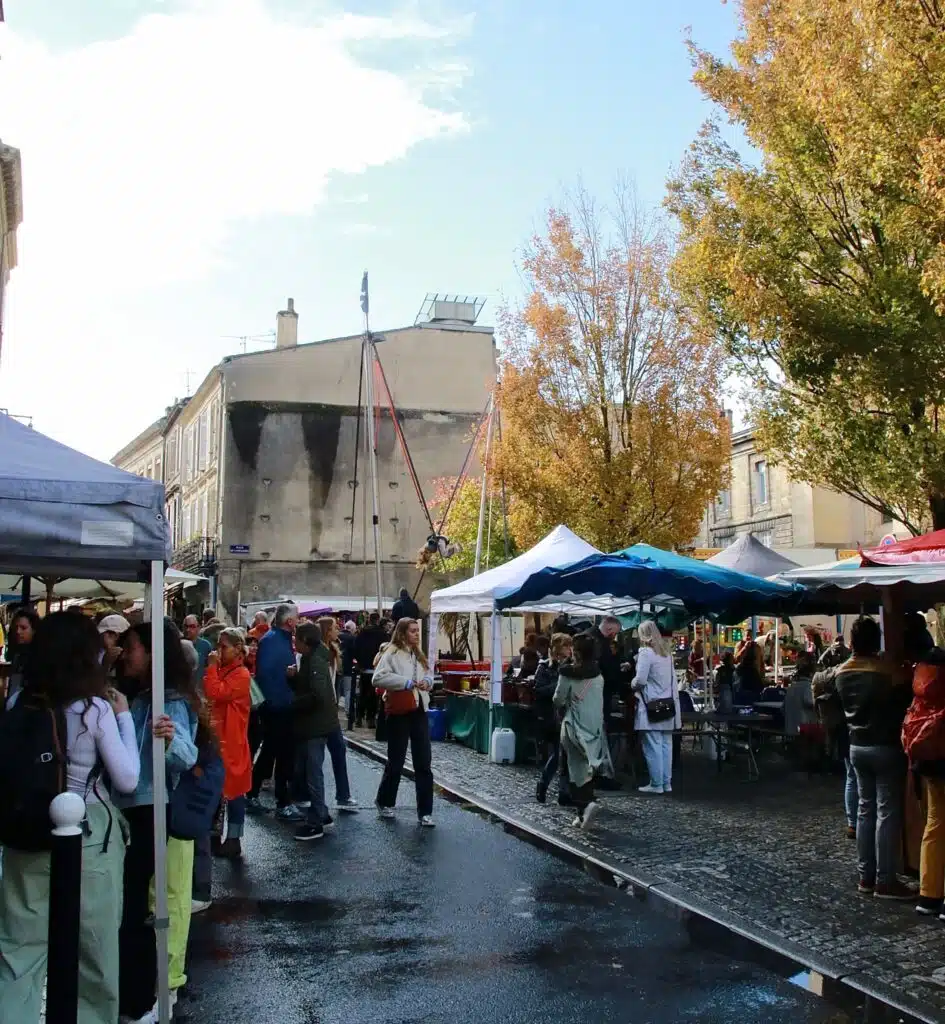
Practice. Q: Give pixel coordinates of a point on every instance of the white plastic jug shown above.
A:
(502, 750)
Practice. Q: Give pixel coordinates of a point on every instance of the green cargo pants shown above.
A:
(24, 919)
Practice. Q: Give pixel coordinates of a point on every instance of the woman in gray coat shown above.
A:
(580, 692)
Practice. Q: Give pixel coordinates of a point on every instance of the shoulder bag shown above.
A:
(401, 702)
(660, 710)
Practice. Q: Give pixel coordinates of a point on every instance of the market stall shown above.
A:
(66, 515)
(469, 713)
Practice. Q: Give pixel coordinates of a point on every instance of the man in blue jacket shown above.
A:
(275, 664)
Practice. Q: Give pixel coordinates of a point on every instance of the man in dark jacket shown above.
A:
(366, 645)
(316, 727)
(874, 703)
(404, 607)
(275, 664)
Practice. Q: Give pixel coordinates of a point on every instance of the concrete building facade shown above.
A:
(783, 513)
(265, 470)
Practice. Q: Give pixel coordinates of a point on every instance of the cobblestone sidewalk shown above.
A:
(769, 859)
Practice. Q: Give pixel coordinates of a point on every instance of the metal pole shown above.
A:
(372, 455)
(777, 650)
(65, 889)
(482, 492)
(155, 606)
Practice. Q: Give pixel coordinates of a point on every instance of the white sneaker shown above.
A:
(650, 789)
(590, 813)
(349, 806)
(385, 812)
(667, 789)
(199, 906)
(153, 1016)
(427, 821)
(577, 822)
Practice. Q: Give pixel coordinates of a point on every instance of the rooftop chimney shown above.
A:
(287, 326)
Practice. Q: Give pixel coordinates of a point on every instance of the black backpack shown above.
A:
(32, 772)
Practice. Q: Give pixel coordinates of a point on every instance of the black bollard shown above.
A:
(65, 891)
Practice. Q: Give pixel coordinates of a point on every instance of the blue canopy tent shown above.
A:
(649, 575)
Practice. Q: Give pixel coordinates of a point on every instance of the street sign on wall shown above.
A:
(239, 549)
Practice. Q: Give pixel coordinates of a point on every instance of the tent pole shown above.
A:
(777, 651)
(154, 604)
(372, 457)
(477, 564)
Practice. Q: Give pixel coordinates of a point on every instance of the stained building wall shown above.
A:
(293, 499)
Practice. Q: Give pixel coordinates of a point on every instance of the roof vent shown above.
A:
(441, 308)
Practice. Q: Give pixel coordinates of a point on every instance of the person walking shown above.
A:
(874, 703)
(346, 642)
(549, 725)
(367, 644)
(63, 673)
(184, 724)
(226, 687)
(404, 675)
(923, 739)
(657, 712)
(275, 665)
(335, 739)
(317, 729)
(580, 693)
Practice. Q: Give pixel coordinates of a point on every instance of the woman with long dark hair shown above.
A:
(23, 627)
(404, 675)
(185, 715)
(62, 673)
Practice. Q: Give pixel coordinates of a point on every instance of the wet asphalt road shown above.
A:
(384, 922)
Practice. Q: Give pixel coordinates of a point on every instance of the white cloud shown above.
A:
(142, 154)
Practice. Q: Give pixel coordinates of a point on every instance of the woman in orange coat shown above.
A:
(226, 687)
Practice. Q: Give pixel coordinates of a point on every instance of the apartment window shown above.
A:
(203, 440)
(173, 449)
(158, 469)
(761, 482)
(188, 468)
(212, 512)
(723, 505)
(185, 523)
(214, 429)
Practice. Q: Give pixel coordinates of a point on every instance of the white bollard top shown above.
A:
(66, 811)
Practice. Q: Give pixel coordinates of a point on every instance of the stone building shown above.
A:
(782, 513)
(264, 466)
(11, 215)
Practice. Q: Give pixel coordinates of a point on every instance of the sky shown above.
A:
(189, 164)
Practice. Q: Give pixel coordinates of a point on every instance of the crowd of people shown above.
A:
(247, 708)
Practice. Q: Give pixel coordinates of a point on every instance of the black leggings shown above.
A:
(137, 951)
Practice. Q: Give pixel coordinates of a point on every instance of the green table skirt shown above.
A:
(467, 720)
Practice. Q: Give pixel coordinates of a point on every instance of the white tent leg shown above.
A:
(495, 696)
(155, 605)
(777, 652)
(434, 628)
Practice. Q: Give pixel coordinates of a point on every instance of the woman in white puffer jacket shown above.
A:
(404, 675)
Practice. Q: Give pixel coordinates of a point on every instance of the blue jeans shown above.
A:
(235, 817)
(658, 751)
(881, 778)
(851, 794)
(314, 763)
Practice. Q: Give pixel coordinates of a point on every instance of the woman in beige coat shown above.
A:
(580, 692)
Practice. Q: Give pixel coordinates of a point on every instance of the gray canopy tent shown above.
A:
(64, 514)
(747, 554)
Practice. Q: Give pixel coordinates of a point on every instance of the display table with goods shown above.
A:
(467, 721)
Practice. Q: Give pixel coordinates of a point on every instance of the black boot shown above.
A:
(541, 792)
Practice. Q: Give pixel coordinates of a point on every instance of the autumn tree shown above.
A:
(609, 400)
(820, 259)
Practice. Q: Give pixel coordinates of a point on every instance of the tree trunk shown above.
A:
(937, 507)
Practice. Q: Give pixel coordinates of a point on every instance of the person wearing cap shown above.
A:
(111, 629)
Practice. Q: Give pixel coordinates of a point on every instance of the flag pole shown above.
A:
(371, 434)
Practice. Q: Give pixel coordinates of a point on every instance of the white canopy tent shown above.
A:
(477, 594)
(116, 590)
(67, 515)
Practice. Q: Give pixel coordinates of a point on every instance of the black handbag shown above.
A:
(661, 710)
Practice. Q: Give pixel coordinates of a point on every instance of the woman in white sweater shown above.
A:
(403, 673)
(657, 711)
(62, 671)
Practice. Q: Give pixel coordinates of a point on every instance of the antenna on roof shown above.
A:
(245, 340)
